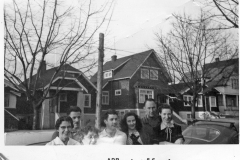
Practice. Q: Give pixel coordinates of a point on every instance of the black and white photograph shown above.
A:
(138, 79)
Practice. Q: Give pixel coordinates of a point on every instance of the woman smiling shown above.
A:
(131, 125)
(64, 126)
(167, 131)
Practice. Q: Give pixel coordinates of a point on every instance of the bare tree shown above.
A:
(225, 12)
(188, 47)
(36, 29)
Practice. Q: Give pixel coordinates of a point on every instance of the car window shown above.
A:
(206, 134)
(213, 134)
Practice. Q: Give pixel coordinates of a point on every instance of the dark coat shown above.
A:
(162, 135)
(148, 125)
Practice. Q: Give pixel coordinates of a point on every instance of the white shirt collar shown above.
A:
(163, 126)
(105, 134)
(58, 141)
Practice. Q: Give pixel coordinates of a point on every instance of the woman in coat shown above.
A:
(167, 131)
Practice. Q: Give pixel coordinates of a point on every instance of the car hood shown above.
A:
(27, 137)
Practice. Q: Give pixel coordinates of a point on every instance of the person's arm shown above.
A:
(179, 141)
(124, 139)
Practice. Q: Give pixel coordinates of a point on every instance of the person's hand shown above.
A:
(165, 143)
(179, 141)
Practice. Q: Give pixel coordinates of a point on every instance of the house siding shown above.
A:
(151, 62)
(128, 79)
(117, 101)
(92, 91)
(159, 85)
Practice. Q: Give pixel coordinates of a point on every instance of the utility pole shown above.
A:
(99, 80)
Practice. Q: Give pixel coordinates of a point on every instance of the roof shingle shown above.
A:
(129, 65)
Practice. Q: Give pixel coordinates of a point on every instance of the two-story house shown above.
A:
(129, 81)
(221, 91)
(223, 86)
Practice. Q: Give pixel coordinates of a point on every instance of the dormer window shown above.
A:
(107, 74)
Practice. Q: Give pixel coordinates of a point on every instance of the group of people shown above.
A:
(157, 127)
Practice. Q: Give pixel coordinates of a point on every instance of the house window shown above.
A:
(213, 102)
(231, 100)
(63, 97)
(87, 100)
(154, 74)
(145, 94)
(105, 97)
(199, 99)
(107, 74)
(144, 73)
(118, 92)
(6, 100)
(235, 83)
(187, 100)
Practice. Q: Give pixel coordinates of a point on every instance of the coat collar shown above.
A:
(170, 125)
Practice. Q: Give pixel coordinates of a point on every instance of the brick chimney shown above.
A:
(114, 58)
(43, 68)
(217, 59)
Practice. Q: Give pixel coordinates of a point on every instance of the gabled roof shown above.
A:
(220, 64)
(113, 65)
(65, 71)
(13, 89)
(187, 77)
(212, 84)
(180, 87)
(9, 84)
(128, 65)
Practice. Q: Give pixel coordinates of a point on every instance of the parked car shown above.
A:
(217, 131)
(28, 137)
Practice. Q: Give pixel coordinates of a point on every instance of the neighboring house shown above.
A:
(74, 89)
(129, 81)
(181, 98)
(10, 99)
(221, 91)
(223, 86)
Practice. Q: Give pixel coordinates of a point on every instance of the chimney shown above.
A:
(114, 58)
(43, 67)
(217, 59)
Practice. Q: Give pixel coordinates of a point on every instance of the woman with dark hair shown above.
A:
(131, 125)
(167, 131)
(64, 126)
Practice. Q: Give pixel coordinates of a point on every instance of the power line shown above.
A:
(119, 50)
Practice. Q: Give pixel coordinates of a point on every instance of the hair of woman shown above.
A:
(123, 123)
(61, 119)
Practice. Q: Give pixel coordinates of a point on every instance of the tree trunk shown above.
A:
(35, 125)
